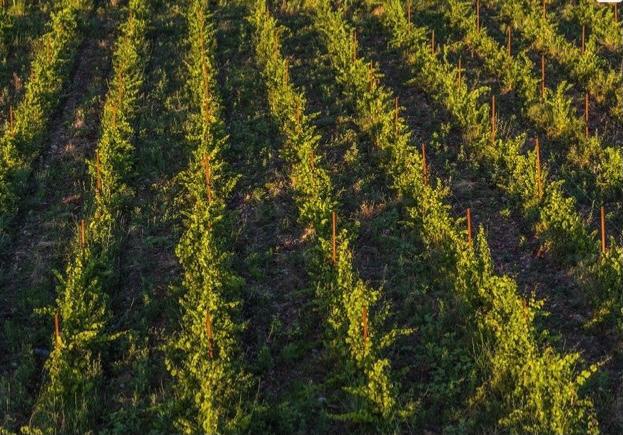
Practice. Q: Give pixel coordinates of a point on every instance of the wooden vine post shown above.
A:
(459, 72)
(354, 45)
(604, 248)
(82, 234)
(509, 41)
(364, 323)
(16, 82)
(432, 42)
(539, 176)
(583, 38)
(616, 12)
(470, 241)
(207, 172)
(57, 328)
(312, 160)
(299, 112)
(409, 12)
(544, 10)
(334, 237)
(209, 334)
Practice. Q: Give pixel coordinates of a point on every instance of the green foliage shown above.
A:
(554, 115)
(557, 223)
(6, 25)
(598, 165)
(486, 367)
(562, 229)
(520, 390)
(116, 148)
(20, 142)
(342, 295)
(610, 171)
(515, 73)
(531, 388)
(439, 75)
(205, 355)
(598, 19)
(68, 399)
(607, 279)
(586, 67)
(517, 174)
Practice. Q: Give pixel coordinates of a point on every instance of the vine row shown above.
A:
(25, 129)
(68, 399)
(205, 356)
(552, 113)
(526, 384)
(353, 330)
(560, 227)
(584, 66)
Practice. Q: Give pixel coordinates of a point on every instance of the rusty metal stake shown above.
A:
(604, 248)
(57, 328)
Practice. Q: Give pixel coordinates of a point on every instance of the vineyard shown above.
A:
(311, 216)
